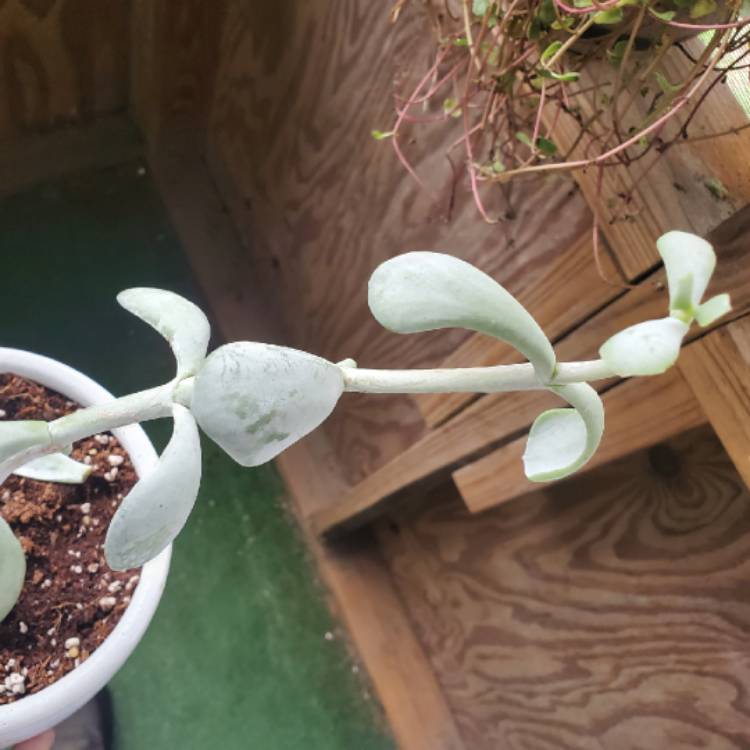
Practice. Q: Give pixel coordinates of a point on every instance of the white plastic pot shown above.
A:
(36, 713)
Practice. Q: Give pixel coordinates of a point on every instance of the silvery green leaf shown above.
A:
(12, 569)
(686, 254)
(422, 291)
(17, 437)
(647, 348)
(182, 323)
(712, 309)
(561, 441)
(255, 400)
(156, 509)
(56, 467)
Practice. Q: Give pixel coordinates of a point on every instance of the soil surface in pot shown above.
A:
(71, 600)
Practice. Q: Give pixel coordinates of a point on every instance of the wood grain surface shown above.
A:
(298, 90)
(61, 62)
(611, 612)
(717, 368)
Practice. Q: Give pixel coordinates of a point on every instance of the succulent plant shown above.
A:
(255, 400)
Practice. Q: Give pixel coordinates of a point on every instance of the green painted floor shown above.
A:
(237, 656)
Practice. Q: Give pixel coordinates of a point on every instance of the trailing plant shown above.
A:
(504, 73)
(255, 400)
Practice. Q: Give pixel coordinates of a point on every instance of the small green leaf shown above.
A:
(56, 467)
(702, 8)
(563, 23)
(716, 187)
(583, 4)
(520, 136)
(665, 85)
(617, 52)
(381, 135)
(498, 167)
(665, 15)
(609, 16)
(480, 7)
(450, 107)
(712, 309)
(461, 42)
(547, 147)
(550, 51)
(567, 77)
(547, 13)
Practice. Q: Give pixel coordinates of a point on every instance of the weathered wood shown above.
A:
(63, 62)
(717, 368)
(639, 413)
(365, 599)
(557, 304)
(175, 50)
(610, 611)
(34, 159)
(674, 194)
(299, 88)
(492, 419)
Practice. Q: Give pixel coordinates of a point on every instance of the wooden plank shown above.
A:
(34, 159)
(717, 368)
(496, 418)
(366, 601)
(556, 302)
(674, 194)
(610, 611)
(63, 63)
(639, 413)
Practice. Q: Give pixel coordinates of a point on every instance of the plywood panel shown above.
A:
(608, 613)
(299, 88)
(61, 62)
(717, 368)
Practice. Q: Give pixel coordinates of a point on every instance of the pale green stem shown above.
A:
(471, 379)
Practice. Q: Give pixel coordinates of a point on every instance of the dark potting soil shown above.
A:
(71, 600)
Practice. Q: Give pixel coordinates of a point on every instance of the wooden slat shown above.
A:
(495, 418)
(717, 368)
(371, 609)
(638, 412)
(674, 194)
(35, 159)
(557, 304)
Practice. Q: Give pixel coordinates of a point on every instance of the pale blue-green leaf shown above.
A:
(685, 253)
(682, 299)
(255, 400)
(561, 441)
(57, 467)
(712, 309)
(17, 437)
(647, 348)
(182, 323)
(422, 291)
(12, 569)
(156, 509)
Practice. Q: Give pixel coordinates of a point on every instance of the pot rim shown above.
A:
(48, 707)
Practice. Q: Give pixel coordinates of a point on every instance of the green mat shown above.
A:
(237, 656)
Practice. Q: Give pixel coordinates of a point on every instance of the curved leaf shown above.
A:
(182, 323)
(156, 509)
(12, 569)
(686, 254)
(712, 309)
(57, 467)
(422, 291)
(561, 441)
(255, 400)
(647, 348)
(19, 436)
